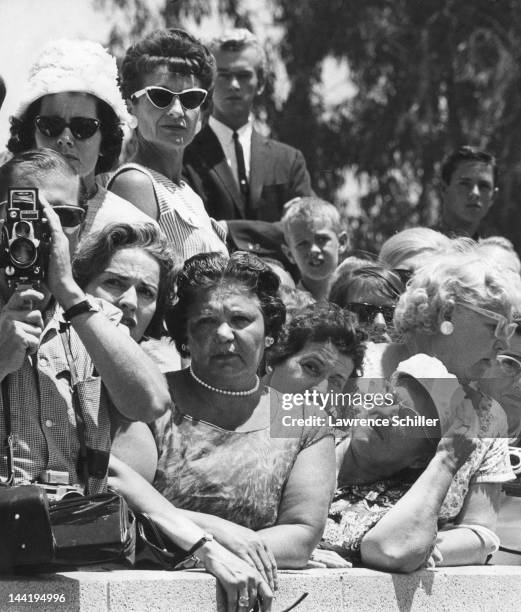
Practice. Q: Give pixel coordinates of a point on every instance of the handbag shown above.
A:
(39, 533)
(154, 550)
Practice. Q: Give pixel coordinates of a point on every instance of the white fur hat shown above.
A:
(74, 66)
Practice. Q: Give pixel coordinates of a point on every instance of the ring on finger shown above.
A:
(243, 601)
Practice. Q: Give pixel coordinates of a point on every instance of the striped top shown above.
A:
(182, 215)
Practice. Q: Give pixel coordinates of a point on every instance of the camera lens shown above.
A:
(23, 229)
(23, 252)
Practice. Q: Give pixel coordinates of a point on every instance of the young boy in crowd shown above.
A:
(315, 240)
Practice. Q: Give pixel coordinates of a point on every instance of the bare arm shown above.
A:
(135, 384)
(402, 540)
(304, 506)
(462, 545)
(135, 187)
(237, 577)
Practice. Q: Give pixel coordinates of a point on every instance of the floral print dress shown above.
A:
(357, 508)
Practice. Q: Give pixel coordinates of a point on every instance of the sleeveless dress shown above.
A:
(357, 508)
(182, 215)
(236, 475)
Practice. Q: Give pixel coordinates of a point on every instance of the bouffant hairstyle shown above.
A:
(410, 243)
(22, 133)
(207, 271)
(320, 322)
(445, 281)
(181, 52)
(373, 279)
(96, 250)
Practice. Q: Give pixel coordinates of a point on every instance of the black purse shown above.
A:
(39, 533)
(155, 551)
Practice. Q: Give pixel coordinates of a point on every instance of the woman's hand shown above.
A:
(460, 439)
(242, 583)
(327, 558)
(250, 547)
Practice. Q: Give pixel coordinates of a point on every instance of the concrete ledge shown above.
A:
(455, 589)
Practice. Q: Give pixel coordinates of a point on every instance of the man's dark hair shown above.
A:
(181, 52)
(35, 163)
(467, 154)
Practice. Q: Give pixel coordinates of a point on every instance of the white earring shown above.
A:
(446, 328)
(268, 341)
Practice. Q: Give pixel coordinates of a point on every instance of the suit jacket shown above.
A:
(277, 174)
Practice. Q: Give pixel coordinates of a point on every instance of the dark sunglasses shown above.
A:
(162, 98)
(80, 127)
(70, 216)
(367, 312)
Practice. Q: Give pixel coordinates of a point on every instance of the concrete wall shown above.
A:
(452, 589)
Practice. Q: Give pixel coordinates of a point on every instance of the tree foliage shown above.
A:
(428, 76)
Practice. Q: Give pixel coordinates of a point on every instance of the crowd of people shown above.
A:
(267, 398)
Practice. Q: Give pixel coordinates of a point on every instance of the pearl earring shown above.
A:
(446, 328)
(268, 341)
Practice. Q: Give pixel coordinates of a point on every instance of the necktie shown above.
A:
(241, 168)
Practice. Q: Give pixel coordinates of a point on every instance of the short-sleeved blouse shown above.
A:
(182, 215)
(357, 508)
(236, 475)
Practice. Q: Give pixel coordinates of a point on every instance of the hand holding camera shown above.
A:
(20, 329)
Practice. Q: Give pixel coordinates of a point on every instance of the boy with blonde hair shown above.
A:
(315, 240)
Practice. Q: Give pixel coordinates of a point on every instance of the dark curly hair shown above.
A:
(22, 134)
(210, 270)
(95, 251)
(321, 322)
(181, 52)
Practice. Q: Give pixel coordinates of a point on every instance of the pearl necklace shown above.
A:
(251, 391)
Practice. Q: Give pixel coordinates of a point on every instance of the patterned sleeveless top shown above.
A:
(182, 215)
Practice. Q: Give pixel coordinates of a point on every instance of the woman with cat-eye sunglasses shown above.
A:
(167, 79)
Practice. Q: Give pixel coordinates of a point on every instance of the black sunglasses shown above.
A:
(162, 98)
(367, 312)
(70, 216)
(80, 127)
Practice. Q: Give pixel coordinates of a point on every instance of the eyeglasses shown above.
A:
(367, 312)
(404, 274)
(80, 127)
(509, 365)
(504, 329)
(162, 98)
(70, 216)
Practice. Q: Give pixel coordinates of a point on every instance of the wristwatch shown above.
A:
(207, 537)
(78, 309)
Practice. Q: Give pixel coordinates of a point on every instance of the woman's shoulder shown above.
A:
(299, 415)
(107, 207)
(136, 184)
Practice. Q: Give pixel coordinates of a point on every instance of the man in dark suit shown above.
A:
(239, 173)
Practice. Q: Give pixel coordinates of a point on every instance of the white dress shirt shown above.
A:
(225, 137)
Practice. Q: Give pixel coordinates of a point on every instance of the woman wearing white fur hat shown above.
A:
(71, 103)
